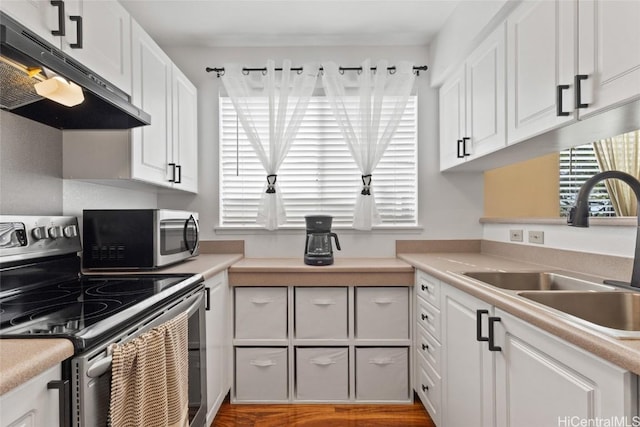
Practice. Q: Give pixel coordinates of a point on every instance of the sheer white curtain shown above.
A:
(287, 97)
(365, 131)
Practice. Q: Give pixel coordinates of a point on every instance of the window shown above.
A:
(319, 174)
(576, 166)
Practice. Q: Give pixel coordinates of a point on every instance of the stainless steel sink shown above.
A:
(536, 281)
(614, 310)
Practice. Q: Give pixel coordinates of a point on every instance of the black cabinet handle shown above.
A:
(464, 146)
(559, 90)
(61, 28)
(460, 152)
(425, 388)
(179, 169)
(207, 300)
(63, 405)
(578, 84)
(78, 43)
(424, 316)
(425, 347)
(424, 287)
(173, 172)
(492, 346)
(479, 314)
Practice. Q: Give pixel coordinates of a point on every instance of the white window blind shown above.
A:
(319, 174)
(578, 164)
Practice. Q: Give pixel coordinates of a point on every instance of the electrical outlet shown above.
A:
(536, 237)
(515, 235)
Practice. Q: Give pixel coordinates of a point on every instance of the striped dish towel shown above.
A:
(149, 378)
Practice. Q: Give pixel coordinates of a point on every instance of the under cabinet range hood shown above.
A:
(26, 59)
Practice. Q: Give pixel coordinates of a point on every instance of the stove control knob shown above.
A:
(70, 231)
(39, 233)
(55, 232)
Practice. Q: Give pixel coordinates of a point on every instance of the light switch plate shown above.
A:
(515, 235)
(536, 237)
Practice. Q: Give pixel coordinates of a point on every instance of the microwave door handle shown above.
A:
(184, 234)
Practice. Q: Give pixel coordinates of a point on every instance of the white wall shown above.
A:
(79, 195)
(607, 240)
(449, 204)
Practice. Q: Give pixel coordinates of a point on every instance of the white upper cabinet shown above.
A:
(101, 40)
(151, 145)
(45, 19)
(609, 53)
(452, 120)
(165, 152)
(185, 131)
(472, 104)
(541, 65)
(95, 33)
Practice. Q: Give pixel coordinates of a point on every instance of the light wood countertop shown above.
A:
(23, 359)
(448, 266)
(343, 272)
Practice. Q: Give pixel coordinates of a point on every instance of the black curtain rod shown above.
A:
(246, 71)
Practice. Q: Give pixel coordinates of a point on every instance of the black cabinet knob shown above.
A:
(425, 388)
(424, 346)
(424, 316)
(424, 287)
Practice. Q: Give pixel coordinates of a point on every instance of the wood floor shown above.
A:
(322, 415)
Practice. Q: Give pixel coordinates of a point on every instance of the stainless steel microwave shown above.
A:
(138, 238)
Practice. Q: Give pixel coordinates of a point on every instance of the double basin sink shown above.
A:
(612, 310)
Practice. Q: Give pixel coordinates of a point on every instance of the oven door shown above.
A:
(177, 236)
(91, 370)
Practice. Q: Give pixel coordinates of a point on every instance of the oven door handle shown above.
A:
(190, 305)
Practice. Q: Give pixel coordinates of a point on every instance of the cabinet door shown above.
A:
(151, 144)
(452, 120)
(218, 343)
(32, 404)
(105, 33)
(39, 16)
(609, 53)
(541, 55)
(467, 365)
(542, 380)
(185, 131)
(486, 101)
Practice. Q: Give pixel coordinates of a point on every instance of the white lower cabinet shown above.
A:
(218, 333)
(382, 373)
(428, 349)
(261, 374)
(542, 380)
(322, 344)
(322, 374)
(467, 365)
(35, 403)
(498, 370)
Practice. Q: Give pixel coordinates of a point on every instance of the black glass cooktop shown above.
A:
(78, 308)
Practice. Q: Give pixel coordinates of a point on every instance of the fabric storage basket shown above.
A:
(382, 313)
(261, 313)
(322, 374)
(382, 373)
(261, 374)
(321, 313)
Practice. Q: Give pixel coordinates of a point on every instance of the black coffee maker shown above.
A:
(318, 249)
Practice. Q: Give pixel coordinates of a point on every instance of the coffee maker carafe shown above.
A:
(318, 249)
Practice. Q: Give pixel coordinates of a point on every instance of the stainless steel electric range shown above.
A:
(44, 294)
